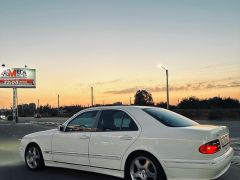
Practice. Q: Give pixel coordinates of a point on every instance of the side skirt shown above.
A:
(111, 172)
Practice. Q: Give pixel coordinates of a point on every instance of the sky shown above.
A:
(116, 47)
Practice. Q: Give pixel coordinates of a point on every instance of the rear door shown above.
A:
(116, 131)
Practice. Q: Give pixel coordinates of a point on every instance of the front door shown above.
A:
(71, 146)
(116, 131)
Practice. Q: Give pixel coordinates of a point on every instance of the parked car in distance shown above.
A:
(2, 117)
(10, 118)
(37, 115)
(132, 142)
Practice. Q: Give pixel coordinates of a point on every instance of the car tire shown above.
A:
(144, 166)
(34, 158)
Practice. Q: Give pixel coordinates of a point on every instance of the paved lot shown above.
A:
(12, 168)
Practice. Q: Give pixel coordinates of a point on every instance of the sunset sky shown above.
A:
(116, 46)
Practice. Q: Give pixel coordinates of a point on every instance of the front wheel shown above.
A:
(145, 168)
(33, 158)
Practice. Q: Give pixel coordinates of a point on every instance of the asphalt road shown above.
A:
(12, 167)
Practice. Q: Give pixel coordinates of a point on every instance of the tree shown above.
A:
(143, 98)
(211, 103)
(26, 109)
(190, 103)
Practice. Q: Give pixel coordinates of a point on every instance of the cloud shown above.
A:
(134, 89)
(106, 82)
(122, 91)
(186, 87)
(235, 83)
(210, 86)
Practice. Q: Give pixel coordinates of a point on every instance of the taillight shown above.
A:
(210, 147)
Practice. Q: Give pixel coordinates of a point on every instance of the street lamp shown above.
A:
(58, 104)
(160, 66)
(92, 96)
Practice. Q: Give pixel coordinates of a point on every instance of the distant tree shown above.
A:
(45, 110)
(190, 103)
(162, 105)
(32, 108)
(70, 110)
(230, 103)
(218, 102)
(117, 104)
(26, 109)
(211, 103)
(143, 98)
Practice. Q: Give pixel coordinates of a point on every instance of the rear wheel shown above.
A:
(144, 167)
(33, 158)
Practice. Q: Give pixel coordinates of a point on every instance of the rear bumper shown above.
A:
(198, 169)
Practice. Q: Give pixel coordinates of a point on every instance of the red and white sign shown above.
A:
(17, 78)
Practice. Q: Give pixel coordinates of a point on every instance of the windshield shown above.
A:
(169, 118)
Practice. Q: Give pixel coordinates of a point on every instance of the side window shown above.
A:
(116, 120)
(128, 124)
(83, 122)
(110, 120)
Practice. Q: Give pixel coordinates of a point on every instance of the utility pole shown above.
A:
(58, 104)
(167, 89)
(92, 96)
(15, 117)
(37, 106)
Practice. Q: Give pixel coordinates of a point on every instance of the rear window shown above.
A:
(169, 118)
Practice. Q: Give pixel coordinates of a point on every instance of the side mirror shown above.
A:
(61, 128)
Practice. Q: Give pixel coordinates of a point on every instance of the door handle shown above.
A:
(84, 137)
(126, 137)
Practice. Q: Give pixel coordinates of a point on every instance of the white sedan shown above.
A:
(132, 142)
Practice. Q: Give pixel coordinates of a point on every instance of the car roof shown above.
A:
(118, 107)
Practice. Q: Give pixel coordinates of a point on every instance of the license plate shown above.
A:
(225, 140)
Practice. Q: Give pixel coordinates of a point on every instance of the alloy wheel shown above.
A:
(33, 157)
(142, 168)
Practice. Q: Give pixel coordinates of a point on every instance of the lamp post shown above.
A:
(92, 96)
(58, 99)
(166, 85)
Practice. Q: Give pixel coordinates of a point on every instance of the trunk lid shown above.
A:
(209, 133)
